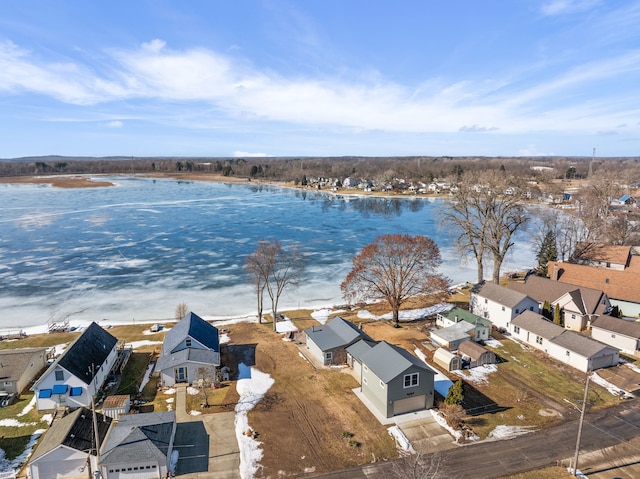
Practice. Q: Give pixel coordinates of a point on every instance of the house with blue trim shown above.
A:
(76, 376)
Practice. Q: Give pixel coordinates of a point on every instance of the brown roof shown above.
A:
(117, 401)
(603, 253)
(618, 284)
(544, 289)
(617, 325)
(472, 349)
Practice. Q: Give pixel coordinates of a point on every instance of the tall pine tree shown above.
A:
(548, 252)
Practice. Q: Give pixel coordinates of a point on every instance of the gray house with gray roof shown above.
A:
(328, 343)
(499, 304)
(190, 350)
(619, 333)
(393, 379)
(139, 445)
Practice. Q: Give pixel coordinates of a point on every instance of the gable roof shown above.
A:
(602, 253)
(334, 333)
(195, 327)
(455, 332)
(464, 315)
(588, 300)
(75, 430)
(138, 437)
(582, 345)
(537, 324)
(14, 362)
(499, 294)
(388, 361)
(472, 349)
(617, 325)
(360, 347)
(85, 355)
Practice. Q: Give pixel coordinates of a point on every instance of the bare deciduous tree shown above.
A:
(486, 212)
(273, 268)
(205, 379)
(595, 206)
(419, 466)
(394, 268)
(181, 311)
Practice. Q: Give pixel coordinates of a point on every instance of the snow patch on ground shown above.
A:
(493, 343)
(170, 391)
(477, 375)
(195, 413)
(192, 391)
(224, 338)
(144, 342)
(28, 407)
(147, 374)
(408, 314)
(14, 465)
(170, 400)
(507, 432)
(322, 315)
(441, 383)
(10, 422)
(614, 390)
(439, 418)
(47, 418)
(402, 443)
(285, 326)
(251, 390)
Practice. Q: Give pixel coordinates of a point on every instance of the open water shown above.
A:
(133, 252)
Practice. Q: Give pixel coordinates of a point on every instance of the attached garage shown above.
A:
(416, 403)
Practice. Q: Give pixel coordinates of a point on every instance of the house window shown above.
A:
(503, 308)
(382, 384)
(608, 265)
(7, 383)
(516, 329)
(486, 314)
(573, 316)
(364, 366)
(568, 353)
(517, 311)
(613, 335)
(538, 340)
(606, 281)
(486, 300)
(364, 381)
(187, 342)
(59, 375)
(328, 356)
(410, 380)
(531, 308)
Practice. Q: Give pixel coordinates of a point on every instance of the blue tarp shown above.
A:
(76, 391)
(60, 388)
(44, 393)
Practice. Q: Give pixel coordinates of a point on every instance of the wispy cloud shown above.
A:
(115, 124)
(246, 154)
(562, 7)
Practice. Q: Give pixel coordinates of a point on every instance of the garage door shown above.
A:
(410, 404)
(603, 362)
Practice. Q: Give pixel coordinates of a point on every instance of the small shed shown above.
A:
(477, 354)
(116, 406)
(447, 360)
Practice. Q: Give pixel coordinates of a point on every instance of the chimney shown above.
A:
(555, 272)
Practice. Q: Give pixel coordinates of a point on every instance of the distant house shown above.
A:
(481, 327)
(476, 354)
(570, 347)
(392, 379)
(451, 336)
(68, 448)
(579, 305)
(619, 333)
(328, 343)
(78, 374)
(499, 304)
(139, 446)
(191, 348)
(18, 367)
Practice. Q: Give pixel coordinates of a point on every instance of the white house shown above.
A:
(78, 373)
(67, 450)
(499, 304)
(190, 350)
(619, 333)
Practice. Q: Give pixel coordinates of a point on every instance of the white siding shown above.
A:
(617, 340)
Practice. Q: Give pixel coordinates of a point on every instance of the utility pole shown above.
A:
(584, 407)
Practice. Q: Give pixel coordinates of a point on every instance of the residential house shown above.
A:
(614, 270)
(619, 333)
(139, 446)
(18, 367)
(447, 360)
(499, 304)
(569, 347)
(481, 327)
(68, 448)
(76, 376)
(394, 380)
(579, 305)
(190, 351)
(328, 343)
(451, 336)
(475, 354)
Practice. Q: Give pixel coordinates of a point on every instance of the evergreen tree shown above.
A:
(455, 394)
(546, 310)
(548, 252)
(557, 316)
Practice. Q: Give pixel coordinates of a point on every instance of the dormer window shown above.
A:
(187, 342)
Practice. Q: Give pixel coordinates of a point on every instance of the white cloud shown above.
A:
(240, 154)
(115, 124)
(561, 7)
(531, 150)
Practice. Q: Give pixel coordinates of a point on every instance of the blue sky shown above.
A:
(320, 77)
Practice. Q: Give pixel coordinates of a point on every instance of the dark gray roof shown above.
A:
(336, 333)
(617, 325)
(388, 361)
(360, 347)
(75, 430)
(14, 362)
(195, 327)
(499, 294)
(582, 345)
(139, 437)
(537, 324)
(205, 356)
(85, 355)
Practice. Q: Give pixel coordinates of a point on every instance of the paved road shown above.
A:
(607, 430)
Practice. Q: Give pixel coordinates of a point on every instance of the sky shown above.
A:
(254, 78)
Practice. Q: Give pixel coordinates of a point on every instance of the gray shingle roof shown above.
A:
(455, 332)
(14, 362)
(499, 294)
(388, 361)
(617, 325)
(537, 324)
(579, 344)
(195, 327)
(336, 333)
(205, 356)
(139, 437)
